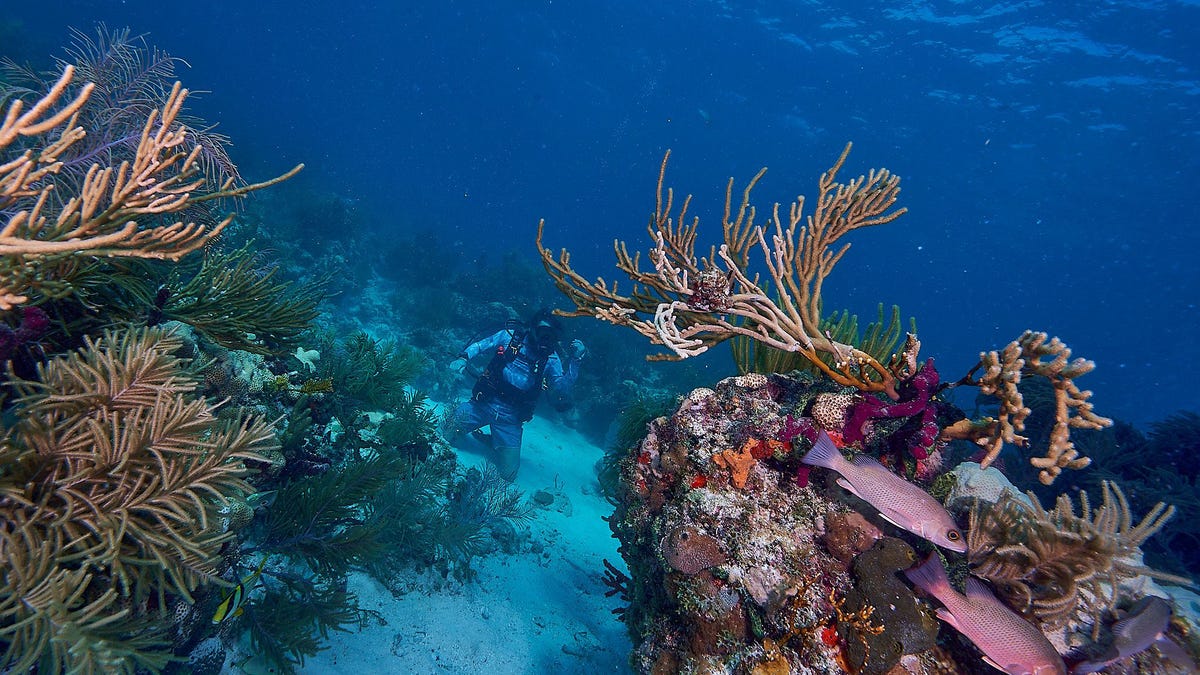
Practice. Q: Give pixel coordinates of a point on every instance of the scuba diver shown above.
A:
(524, 363)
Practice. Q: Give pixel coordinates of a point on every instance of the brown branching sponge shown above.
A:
(1032, 354)
(1062, 565)
(688, 304)
(115, 211)
(110, 481)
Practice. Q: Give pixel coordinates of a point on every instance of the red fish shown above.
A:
(1008, 642)
(900, 502)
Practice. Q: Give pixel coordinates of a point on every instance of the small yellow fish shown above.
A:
(232, 604)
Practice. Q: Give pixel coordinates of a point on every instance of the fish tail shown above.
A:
(824, 453)
(930, 576)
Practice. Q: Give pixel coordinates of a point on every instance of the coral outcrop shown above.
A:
(734, 567)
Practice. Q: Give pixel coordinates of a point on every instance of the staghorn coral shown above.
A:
(1059, 565)
(1002, 372)
(111, 483)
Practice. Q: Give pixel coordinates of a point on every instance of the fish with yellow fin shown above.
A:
(232, 604)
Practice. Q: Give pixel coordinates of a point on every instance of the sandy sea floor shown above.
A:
(533, 612)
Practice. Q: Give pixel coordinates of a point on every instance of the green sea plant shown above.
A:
(367, 372)
(329, 525)
(297, 424)
(1062, 564)
(412, 421)
(294, 618)
(321, 520)
(389, 514)
(236, 299)
(413, 504)
(480, 502)
(880, 339)
(638, 411)
(110, 482)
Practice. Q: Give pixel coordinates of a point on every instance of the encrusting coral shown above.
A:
(111, 483)
(889, 621)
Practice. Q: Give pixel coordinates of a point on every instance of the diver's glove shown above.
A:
(458, 366)
(576, 351)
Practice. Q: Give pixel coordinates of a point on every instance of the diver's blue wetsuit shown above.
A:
(505, 395)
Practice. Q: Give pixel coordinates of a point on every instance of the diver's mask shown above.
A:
(546, 333)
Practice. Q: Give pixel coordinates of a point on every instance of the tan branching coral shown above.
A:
(1062, 564)
(1032, 354)
(108, 214)
(110, 485)
(688, 304)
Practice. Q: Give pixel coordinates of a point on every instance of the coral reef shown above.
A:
(731, 562)
(735, 567)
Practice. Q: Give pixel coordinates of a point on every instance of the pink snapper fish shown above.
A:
(900, 502)
(1008, 642)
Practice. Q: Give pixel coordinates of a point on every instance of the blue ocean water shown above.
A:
(1048, 150)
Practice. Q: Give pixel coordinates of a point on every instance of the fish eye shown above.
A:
(953, 535)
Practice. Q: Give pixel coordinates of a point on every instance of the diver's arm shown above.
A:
(459, 364)
(488, 344)
(560, 376)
